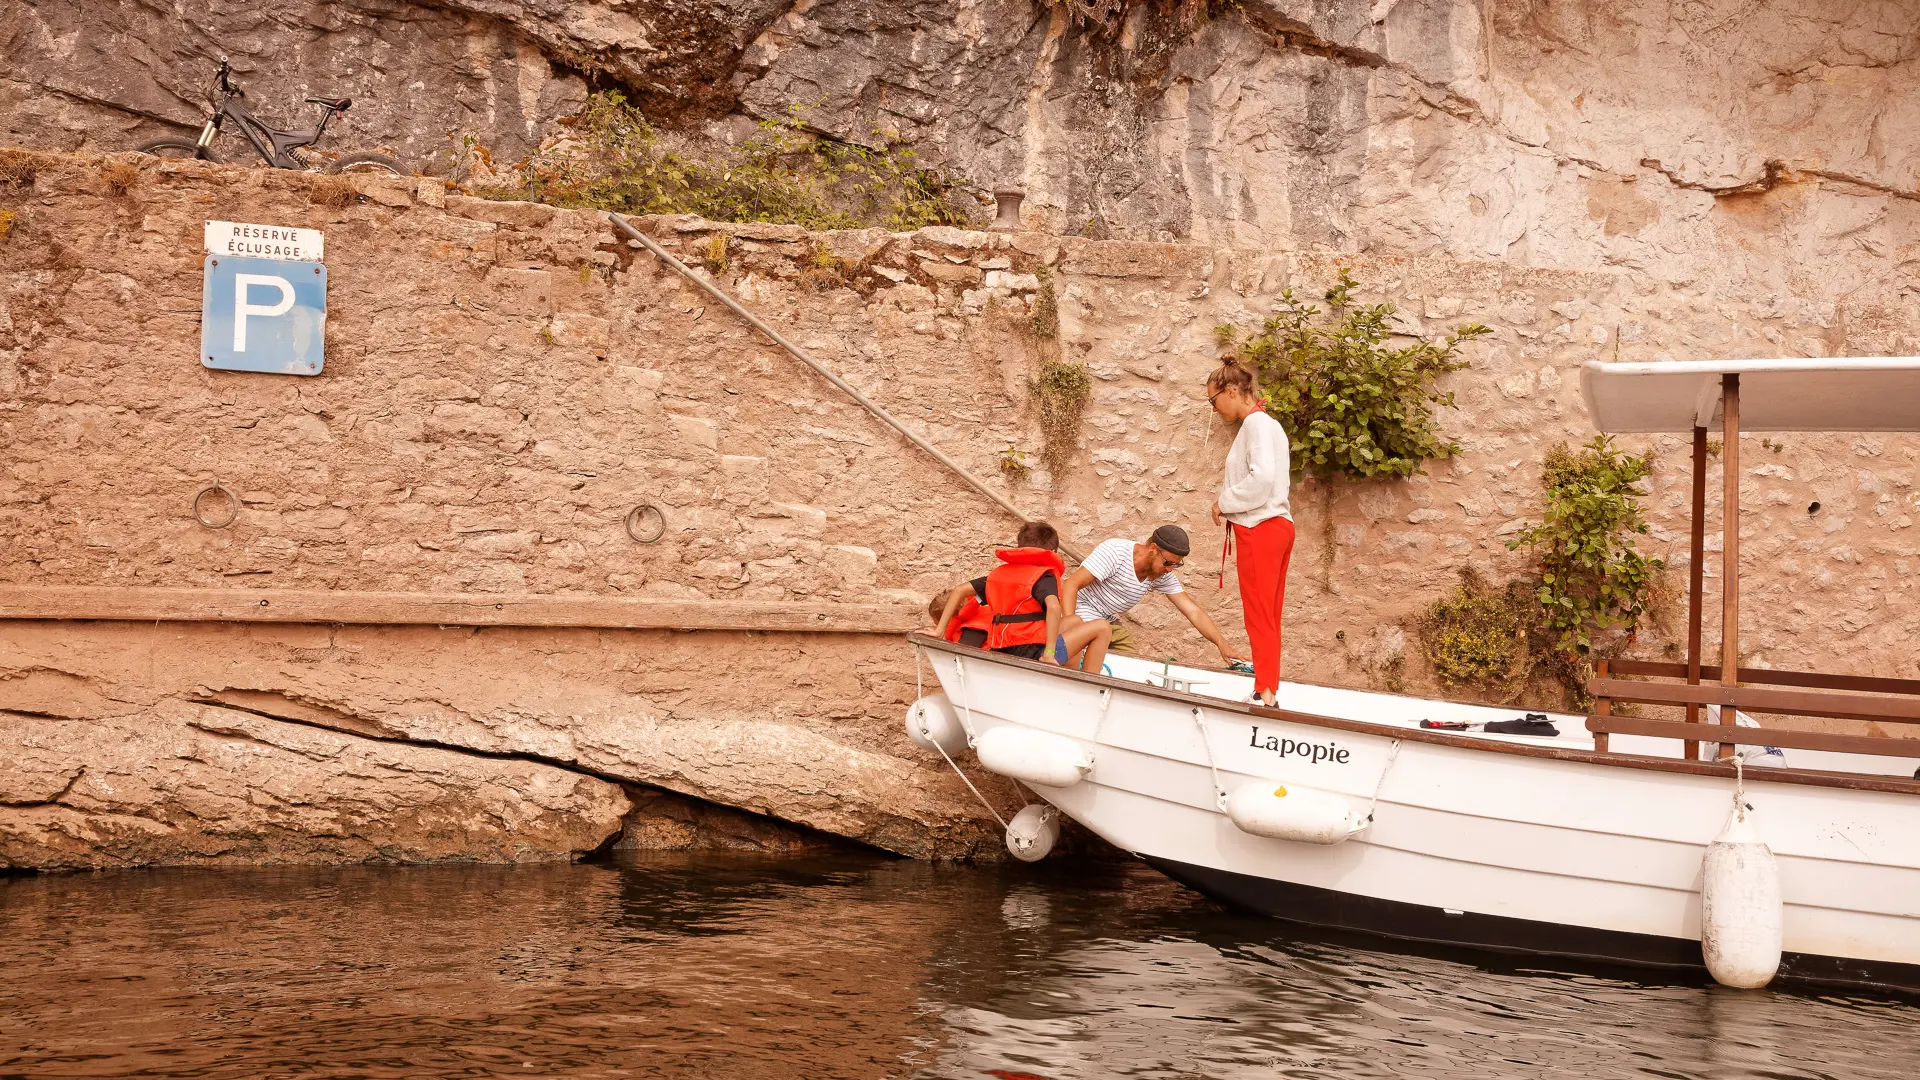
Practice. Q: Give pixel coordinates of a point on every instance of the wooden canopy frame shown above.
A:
(1804, 395)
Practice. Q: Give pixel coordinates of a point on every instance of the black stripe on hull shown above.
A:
(1399, 921)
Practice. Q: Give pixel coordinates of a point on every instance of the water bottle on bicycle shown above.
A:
(277, 148)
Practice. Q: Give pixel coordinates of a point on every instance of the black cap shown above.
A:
(1171, 539)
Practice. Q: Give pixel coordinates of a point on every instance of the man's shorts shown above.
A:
(1122, 638)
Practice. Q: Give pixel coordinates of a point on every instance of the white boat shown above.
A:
(1612, 840)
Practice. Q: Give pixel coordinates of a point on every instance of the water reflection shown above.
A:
(842, 966)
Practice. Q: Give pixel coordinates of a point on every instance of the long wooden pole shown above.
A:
(1696, 572)
(1730, 545)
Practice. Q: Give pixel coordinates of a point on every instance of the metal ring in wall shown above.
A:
(208, 513)
(646, 524)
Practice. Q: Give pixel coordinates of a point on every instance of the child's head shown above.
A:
(937, 607)
(1038, 534)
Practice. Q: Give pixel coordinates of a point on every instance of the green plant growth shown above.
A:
(1061, 389)
(822, 269)
(1593, 580)
(1013, 464)
(715, 255)
(6, 223)
(1351, 403)
(614, 159)
(1478, 634)
(1045, 320)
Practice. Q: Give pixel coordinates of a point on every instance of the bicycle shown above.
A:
(275, 147)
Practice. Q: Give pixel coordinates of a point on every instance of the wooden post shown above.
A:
(1730, 546)
(1602, 706)
(1696, 572)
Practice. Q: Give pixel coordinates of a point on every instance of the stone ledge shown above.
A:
(72, 602)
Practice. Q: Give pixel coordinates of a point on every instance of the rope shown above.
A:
(1739, 788)
(801, 355)
(966, 714)
(1106, 703)
(1379, 785)
(918, 687)
(1219, 791)
(970, 787)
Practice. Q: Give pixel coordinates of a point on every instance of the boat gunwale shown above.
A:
(1805, 777)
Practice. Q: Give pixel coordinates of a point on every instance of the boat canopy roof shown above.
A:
(1817, 394)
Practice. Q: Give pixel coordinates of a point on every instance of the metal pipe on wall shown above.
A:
(801, 355)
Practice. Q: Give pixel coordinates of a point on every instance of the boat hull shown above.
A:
(1420, 925)
(1532, 846)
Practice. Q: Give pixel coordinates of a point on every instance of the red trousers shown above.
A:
(1261, 555)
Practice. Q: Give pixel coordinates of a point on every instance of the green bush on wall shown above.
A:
(1478, 635)
(1592, 576)
(1350, 403)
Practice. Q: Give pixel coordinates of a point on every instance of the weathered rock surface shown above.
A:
(581, 706)
(1568, 133)
(185, 784)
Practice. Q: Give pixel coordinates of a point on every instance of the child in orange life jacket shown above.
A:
(969, 624)
(1019, 601)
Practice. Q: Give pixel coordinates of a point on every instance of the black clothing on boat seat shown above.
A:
(1534, 724)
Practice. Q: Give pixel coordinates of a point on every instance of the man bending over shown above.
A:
(1114, 577)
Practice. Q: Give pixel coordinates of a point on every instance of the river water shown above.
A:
(840, 966)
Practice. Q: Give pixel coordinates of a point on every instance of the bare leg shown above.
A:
(1091, 636)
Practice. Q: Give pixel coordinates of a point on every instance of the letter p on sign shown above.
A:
(242, 309)
(266, 315)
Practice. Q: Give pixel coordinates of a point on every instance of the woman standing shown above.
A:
(1253, 504)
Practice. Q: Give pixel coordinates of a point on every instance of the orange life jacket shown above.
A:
(971, 616)
(1018, 619)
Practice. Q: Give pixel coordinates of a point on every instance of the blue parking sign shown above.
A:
(263, 315)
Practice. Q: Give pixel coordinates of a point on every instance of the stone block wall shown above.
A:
(504, 381)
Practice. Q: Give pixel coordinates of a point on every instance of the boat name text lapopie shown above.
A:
(1316, 752)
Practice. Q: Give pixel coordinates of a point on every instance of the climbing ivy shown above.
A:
(1351, 403)
(1592, 576)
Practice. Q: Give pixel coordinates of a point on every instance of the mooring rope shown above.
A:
(918, 693)
(1206, 744)
(1380, 784)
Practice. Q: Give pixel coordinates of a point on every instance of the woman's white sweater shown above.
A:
(1258, 468)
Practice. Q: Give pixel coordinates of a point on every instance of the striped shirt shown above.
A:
(1116, 588)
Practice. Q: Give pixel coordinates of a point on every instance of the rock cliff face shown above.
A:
(1569, 133)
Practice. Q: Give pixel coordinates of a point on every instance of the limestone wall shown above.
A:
(504, 381)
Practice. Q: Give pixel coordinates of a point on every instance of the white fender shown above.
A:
(933, 724)
(1040, 758)
(1287, 812)
(1033, 831)
(1740, 907)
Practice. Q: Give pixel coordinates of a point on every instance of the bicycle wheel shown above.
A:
(368, 162)
(178, 148)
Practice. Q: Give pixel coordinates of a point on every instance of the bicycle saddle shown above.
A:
(336, 104)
